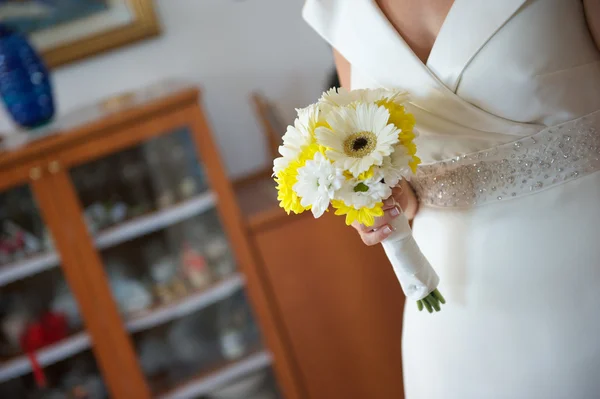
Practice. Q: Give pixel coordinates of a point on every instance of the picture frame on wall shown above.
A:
(64, 31)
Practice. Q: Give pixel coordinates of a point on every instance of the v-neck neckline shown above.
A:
(380, 53)
(436, 41)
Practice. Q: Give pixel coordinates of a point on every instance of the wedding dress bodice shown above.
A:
(498, 70)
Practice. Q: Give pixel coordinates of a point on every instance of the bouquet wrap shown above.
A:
(415, 274)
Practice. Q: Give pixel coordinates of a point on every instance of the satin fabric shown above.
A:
(521, 277)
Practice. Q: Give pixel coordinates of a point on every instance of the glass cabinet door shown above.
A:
(170, 267)
(44, 350)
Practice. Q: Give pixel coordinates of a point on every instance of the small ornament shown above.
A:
(130, 294)
(167, 285)
(195, 268)
(188, 187)
(165, 199)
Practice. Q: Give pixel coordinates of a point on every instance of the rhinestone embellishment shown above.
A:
(551, 157)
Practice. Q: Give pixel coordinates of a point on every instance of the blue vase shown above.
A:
(24, 82)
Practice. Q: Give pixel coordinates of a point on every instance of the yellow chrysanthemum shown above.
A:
(406, 123)
(363, 176)
(288, 177)
(364, 216)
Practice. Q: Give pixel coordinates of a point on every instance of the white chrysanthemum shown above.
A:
(297, 137)
(359, 137)
(396, 166)
(364, 193)
(341, 97)
(318, 180)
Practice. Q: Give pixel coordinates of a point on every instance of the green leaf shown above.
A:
(361, 188)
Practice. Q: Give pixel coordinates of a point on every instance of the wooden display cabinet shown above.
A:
(120, 240)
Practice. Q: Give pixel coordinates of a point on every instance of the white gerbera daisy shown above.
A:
(364, 193)
(342, 97)
(396, 166)
(359, 137)
(318, 180)
(297, 137)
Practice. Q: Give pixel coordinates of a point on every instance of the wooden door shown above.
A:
(341, 305)
(46, 306)
(161, 235)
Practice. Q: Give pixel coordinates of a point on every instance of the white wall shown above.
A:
(229, 47)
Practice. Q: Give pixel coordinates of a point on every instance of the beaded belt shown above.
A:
(551, 157)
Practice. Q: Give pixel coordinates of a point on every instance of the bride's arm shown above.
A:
(343, 69)
(592, 14)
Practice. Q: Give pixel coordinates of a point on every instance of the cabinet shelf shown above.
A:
(208, 382)
(11, 272)
(143, 225)
(81, 341)
(112, 236)
(186, 306)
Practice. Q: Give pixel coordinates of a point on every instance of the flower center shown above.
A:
(360, 144)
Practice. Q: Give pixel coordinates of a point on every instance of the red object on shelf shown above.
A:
(32, 340)
(55, 327)
(192, 259)
(51, 328)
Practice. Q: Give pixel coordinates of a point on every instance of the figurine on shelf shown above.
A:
(193, 344)
(236, 326)
(164, 271)
(188, 187)
(131, 295)
(195, 268)
(64, 302)
(156, 359)
(212, 244)
(12, 243)
(28, 242)
(219, 255)
(134, 174)
(96, 217)
(156, 155)
(83, 382)
(117, 210)
(16, 316)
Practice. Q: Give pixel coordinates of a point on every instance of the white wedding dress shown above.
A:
(508, 110)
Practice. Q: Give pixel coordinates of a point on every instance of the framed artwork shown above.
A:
(68, 30)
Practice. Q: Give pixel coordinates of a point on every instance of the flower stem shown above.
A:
(432, 302)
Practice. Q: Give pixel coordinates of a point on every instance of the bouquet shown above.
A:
(347, 152)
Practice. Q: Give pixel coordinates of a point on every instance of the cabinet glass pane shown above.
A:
(170, 266)
(42, 339)
(157, 175)
(185, 264)
(199, 346)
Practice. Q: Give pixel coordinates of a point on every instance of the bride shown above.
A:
(506, 95)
